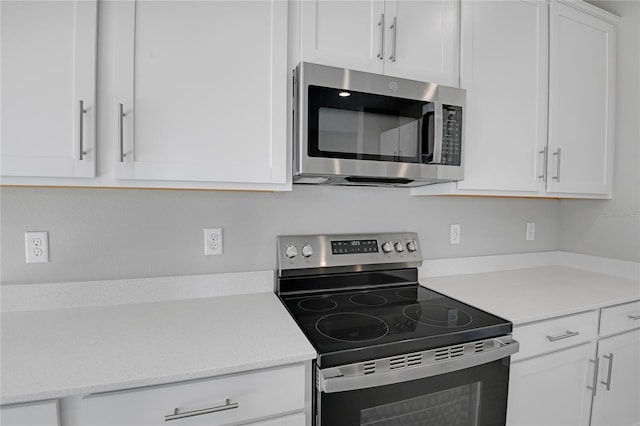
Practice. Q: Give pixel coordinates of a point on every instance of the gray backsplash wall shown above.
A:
(611, 228)
(119, 233)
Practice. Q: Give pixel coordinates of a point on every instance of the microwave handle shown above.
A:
(437, 132)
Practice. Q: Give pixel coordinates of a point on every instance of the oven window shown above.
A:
(367, 127)
(458, 406)
(475, 396)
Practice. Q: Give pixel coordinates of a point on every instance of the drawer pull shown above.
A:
(608, 382)
(634, 317)
(176, 415)
(563, 336)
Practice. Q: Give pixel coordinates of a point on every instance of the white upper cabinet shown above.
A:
(582, 95)
(407, 39)
(202, 87)
(505, 73)
(348, 34)
(540, 83)
(423, 40)
(48, 88)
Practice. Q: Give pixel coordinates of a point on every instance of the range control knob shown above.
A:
(411, 246)
(387, 247)
(307, 250)
(291, 251)
(399, 247)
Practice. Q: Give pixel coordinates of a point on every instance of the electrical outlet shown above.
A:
(454, 233)
(531, 231)
(212, 241)
(37, 246)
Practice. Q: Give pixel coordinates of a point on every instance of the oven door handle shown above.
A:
(502, 347)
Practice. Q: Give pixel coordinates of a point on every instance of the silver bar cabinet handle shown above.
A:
(381, 25)
(559, 158)
(563, 336)
(176, 415)
(594, 385)
(634, 317)
(608, 382)
(394, 27)
(543, 176)
(121, 116)
(82, 111)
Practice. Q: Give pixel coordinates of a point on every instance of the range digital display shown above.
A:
(354, 246)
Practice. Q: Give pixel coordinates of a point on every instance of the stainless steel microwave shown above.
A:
(358, 128)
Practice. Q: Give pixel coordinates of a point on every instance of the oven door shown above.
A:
(465, 391)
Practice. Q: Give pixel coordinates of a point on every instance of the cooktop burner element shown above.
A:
(368, 299)
(436, 315)
(352, 327)
(317, 304)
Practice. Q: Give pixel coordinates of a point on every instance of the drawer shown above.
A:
(620, 318)
(39, 413)
(557, 333)
(220, 401)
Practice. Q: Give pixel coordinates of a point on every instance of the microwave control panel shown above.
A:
(451, 135)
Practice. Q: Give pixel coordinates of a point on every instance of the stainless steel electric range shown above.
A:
(390, 351)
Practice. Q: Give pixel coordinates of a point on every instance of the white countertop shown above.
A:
(62, 352)
(527, 295)
(66, 339)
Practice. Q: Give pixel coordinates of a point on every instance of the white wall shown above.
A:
(120, 233)
(612, 228)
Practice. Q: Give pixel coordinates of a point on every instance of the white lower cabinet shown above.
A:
(551, 375)
(617, 398)
(566, 374)
(552, 389)
(237, 399)
(31, 414)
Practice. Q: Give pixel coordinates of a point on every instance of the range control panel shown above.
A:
(327, 251)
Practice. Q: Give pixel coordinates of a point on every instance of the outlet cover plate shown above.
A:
(212, 241)
(36, 245)
(454, 233)
(531, 231)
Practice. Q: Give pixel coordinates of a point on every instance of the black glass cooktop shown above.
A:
(351, 326)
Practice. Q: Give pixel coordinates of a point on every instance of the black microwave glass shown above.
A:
(354, 125)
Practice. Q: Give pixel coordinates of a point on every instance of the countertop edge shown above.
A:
(159, 381)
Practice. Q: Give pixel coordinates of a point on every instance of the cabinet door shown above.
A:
(202, 87)
(422, 40)
(505, 65)
(581, 102)
(345, 34)
(48, 69)
(552, 389)
(616, 401)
